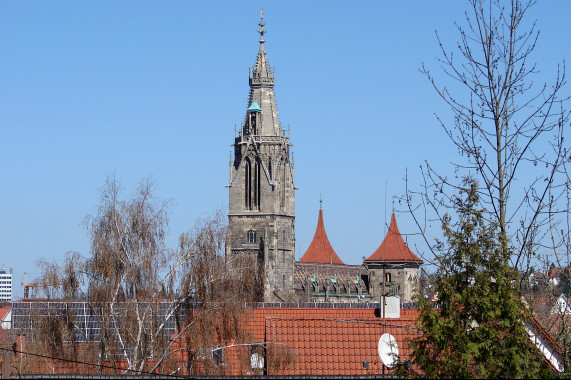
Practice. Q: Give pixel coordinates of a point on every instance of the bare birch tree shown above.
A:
(142, 293)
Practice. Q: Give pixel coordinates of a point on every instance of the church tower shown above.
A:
(261, 190)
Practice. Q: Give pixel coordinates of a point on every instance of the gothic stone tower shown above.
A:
(261, 207)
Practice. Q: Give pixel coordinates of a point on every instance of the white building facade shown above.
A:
(5, 286)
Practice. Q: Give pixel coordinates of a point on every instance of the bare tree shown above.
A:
(145, 297)
(509, 132)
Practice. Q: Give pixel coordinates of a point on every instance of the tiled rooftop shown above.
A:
(320, 250)
(331, 340)
(393, 248)
(4, 310)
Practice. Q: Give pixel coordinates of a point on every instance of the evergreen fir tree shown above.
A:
(476, 328)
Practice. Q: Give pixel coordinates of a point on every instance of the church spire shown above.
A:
(262, 94)
(261, 207)
(262, 73)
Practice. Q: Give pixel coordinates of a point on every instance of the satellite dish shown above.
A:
(388, 350)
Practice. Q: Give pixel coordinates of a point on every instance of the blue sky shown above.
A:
(154, 88)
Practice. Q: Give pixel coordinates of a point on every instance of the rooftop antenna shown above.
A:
(385, 224)
(230, 168)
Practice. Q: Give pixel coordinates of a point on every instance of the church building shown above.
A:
(261, 217)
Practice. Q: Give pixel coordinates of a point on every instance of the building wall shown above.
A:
(401, 279)
(272, 219)
(5, 286)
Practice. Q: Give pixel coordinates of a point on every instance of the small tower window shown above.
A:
(387, 277)
(251, 236)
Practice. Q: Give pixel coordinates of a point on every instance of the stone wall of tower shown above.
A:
(274, 244)
(279, 260)
(273, 223)
(404, 276)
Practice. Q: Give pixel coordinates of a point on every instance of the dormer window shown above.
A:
(251, 236)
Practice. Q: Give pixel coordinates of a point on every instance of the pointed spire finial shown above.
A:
(320, 201)
(262, 31)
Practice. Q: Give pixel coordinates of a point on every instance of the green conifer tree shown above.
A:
(476, 328)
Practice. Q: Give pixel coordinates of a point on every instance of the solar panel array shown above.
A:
(86, 322)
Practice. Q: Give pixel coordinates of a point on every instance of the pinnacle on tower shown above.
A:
(261, 31)
(262, 73)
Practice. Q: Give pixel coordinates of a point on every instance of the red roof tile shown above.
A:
(4, 310)
(320, 250)
(321, 336)
(393, 248)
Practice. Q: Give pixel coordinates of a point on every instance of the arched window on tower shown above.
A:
(282, 184)
(247, 184)
(252, 184)
(256, 187)
(253, 123)
(251, 236)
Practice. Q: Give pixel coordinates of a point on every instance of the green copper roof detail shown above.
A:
(254, 107)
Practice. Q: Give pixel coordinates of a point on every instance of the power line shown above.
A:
(89, 364)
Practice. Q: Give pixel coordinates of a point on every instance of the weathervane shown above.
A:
(262, 31)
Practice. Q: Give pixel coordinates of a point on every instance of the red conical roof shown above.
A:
(393, 248)
(320, 250)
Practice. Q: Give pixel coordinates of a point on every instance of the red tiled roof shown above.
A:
(393, 248)
(320, 250)
(319, 337)
(4, 310)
